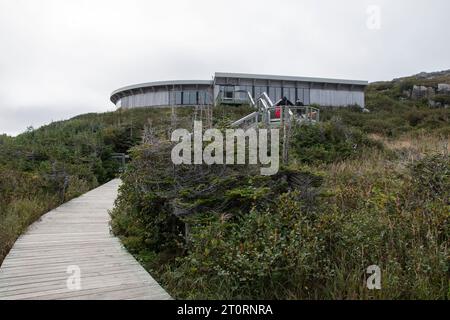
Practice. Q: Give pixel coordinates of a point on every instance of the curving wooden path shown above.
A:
(75, 237)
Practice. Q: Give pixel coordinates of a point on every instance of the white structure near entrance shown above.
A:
(233, 88)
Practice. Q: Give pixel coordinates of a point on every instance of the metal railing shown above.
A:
(306, 113)
(266, 112)
(247, 121)
(264, 105)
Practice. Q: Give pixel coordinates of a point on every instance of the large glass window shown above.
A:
(189, 97)
(250, 90)
(306, 97)
(278, 94)
(247, 89)
(272, 94)
(202, 97)
(259, 90)
(228, 92)
(303, 96)
(172, 98)
(275, 94)
(178, 98)
(241, 93)
(290, 94)
(300, 95)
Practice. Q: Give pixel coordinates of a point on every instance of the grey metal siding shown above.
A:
(337, 98)
(324, 92)
(157, 97)
(147, 99)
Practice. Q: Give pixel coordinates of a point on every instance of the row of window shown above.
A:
(274, 93)
(189, 97)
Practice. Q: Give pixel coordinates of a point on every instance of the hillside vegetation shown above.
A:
(360, 189)
(42, 168)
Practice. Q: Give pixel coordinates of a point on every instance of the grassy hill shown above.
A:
(42, 168)
(359, 189)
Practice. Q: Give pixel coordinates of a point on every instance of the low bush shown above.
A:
(283, 251)
(329, 142)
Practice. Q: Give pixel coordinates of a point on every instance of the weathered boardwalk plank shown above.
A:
(76, 234)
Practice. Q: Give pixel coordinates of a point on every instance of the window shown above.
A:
(272, 94)
(202, 97)
(278, 94)
(208, 97)
(189, 97)
(306, 97)
(228, 92)
(303, 96)
(289, 93)
(193, 97)
(259, 91)
(250, 90)
(247, 89)
(178, 97)
(241, 92)
(175, 98)
(275, 94)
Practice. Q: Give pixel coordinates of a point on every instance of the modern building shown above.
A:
(234, 88)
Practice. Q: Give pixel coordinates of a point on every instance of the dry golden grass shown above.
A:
(415, 146)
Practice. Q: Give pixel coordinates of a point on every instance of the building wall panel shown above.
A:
(328, 93)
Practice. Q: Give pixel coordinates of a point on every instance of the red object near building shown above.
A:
(278, 112)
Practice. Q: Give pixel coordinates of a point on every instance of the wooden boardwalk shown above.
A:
(44, 262)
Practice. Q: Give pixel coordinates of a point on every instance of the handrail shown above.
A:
(264, 97)
(307, 113)
(252, 118)
(252, 102)
(265, 108)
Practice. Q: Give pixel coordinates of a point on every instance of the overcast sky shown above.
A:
(61, 58)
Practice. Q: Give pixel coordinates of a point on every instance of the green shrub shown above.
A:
(431, 177)
(299, 234)
(285, 252)
(64, 159)
(443, 99)
(328, 142)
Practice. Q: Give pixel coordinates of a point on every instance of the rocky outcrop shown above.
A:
(437, 97)
(433, 87)
(419, 92)
(443, 88)
(426, 76)
(432, 75)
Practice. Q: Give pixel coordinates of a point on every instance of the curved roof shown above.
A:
(129, 89)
